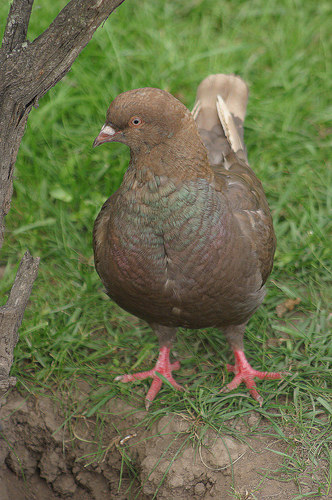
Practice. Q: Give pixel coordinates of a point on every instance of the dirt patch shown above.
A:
(41, 458)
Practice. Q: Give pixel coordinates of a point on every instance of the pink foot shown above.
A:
(164, 367)
(245, 373)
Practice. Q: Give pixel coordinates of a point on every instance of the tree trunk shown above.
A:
(27, 71)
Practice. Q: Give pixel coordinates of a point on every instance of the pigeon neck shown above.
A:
(183, 157)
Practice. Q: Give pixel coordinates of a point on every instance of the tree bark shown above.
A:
(27, 71)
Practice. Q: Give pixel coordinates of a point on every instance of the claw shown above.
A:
(164, 367)
(245, 373)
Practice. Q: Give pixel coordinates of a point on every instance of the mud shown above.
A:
(46, 455)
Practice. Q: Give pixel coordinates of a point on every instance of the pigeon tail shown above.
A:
(219, 111)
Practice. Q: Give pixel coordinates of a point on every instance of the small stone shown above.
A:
(22, 460)
(253, 420)
(199, 489)
(65, 485)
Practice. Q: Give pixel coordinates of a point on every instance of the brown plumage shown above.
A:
(187, 240)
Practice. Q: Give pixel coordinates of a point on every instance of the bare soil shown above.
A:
(41, 458)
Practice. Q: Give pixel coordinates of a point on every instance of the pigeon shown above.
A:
(187, 240)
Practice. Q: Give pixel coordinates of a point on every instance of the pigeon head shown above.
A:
(144, 118)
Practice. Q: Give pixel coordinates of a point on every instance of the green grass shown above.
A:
(71, 330)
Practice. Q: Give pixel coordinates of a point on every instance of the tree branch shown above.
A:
(27, 72)
(11, 316)
(49, 57)
(17, 24)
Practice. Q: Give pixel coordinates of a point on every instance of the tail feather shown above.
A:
(219, 112)
(228, 124)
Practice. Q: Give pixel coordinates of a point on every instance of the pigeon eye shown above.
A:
(136, 121)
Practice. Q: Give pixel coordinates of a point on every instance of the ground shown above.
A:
(43, 458)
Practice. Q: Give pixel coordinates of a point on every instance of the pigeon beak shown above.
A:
(106, 134)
